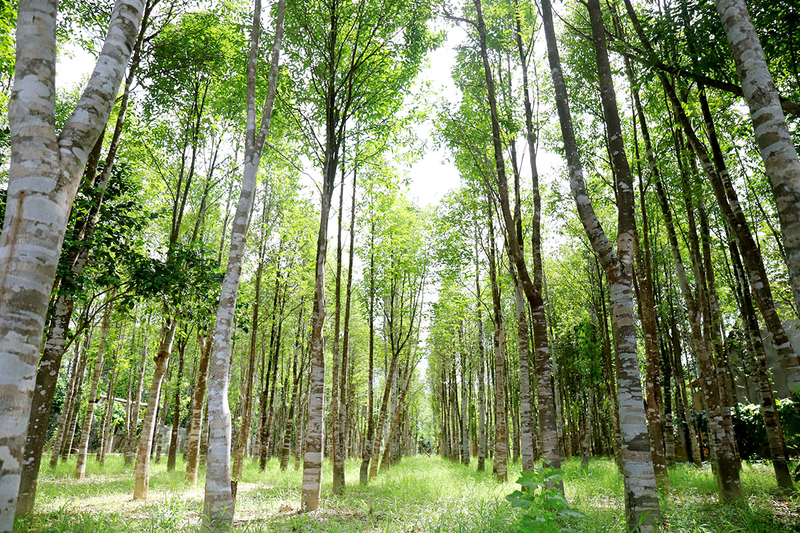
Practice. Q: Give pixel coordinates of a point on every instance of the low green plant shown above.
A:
(547, 510)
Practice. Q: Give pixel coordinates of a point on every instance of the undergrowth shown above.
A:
(420, 494)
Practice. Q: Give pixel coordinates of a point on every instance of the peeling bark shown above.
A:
(642, 508)
(219, 500)
(44, 174)
(646, 301)
(772, 421)
(771, 131)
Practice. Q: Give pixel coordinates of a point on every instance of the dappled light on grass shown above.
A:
(420, 494)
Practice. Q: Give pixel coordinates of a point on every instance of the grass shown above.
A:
(421, 494)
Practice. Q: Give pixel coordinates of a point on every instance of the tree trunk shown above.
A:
(142, 469)
(72, 420)
(501, 417)
(395, 425)
(690, 438)
(106, 440)
(267, 370)
(383, 415)
(161, 415)
(642, 508)
(727, 470)
(525, 399)
(198, 409)
(247, 405)
(289, 433)
(771, 131)
(364, 472)
(176, 409)
(772, 422)
(129, 402)
(481, 370)
(269, 432)
(219, 500)
(586, 445)
(455, 424)
(647, 310)
(130, 444)
(464, 399)
(44, 174)
(78, 368)
(538, 319)
(83, 447)
(345, 405)
(315, 432)
(336, 437)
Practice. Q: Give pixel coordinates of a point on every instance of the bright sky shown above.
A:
(433, 176)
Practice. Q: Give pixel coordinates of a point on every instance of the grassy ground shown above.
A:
(421, 494)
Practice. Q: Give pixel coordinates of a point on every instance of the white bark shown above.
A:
(44, 173)
(771, 132)
(641, 498)
(218, 507)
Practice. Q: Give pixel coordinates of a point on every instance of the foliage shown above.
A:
(184, 279)
(751, 435)
(8, 19)
(547, 508)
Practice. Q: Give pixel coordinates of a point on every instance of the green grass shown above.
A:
(421, 494)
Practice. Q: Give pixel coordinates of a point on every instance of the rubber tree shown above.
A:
(44, 173)
(642, 507)
(218, 503)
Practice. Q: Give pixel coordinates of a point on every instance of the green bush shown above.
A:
(547, 509)
(751, 435)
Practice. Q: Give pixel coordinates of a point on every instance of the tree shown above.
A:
(43, 179)
(641, 499)
(774, 140)
(358, 61)
(218, 509)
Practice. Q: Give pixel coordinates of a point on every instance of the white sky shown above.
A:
(433, 176)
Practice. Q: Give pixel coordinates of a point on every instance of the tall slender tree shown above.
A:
(642, 507)
(771, 131)
(218, 506)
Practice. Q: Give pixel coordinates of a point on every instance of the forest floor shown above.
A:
(420, 494)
